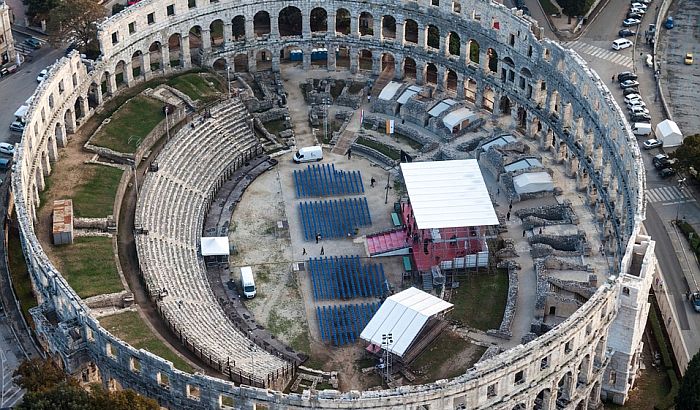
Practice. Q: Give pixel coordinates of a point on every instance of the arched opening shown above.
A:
(78, 107)
(69, 121)
(410, 29)
(508, 70)
(493, 60)
(195, 39)
(365, 60)
(93, 92)
(342, 57)
(261, 23)
(433, 37)
(263, 60)
(583, 369)
(240, 63)
(474, 51)
(552, 310)
(520, 406)
(388, 62)
(563, 392)
(216, 31)
(136, 64)
(119, 74)
(104, 81)
(388, 27)
(238, 28)
(455, 47)
(220, 64)
(366, 24)
(431, 73)
(155, 56)
(522, 118)
(542, 400)
(470, 90)
(174, 50)
(318, 20)
(451, 81)
(581, 405)
(342, 21)
(409, 68)
(289, 21)
(60, 134)
(505, 105)
(488, 99)
(525, 82)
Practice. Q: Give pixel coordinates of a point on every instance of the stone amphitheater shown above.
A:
(480, 50)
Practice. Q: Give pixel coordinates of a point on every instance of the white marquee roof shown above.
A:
(410, 92)
(402, 315)
(215, 246)
(458, 116)
(448, 194)
(533, 182)
(389, 91)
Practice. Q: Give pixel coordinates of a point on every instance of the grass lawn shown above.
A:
(384, 149)
(130, 124)
(20, 276)
(89, 267)
(448, 356)
(94, 197)
(129, 327)
(196, 86)
(480, 300)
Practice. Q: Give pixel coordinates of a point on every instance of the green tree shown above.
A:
(688, 397)
(75, 20)
(575, 7)
(38, 375)
(688, 154)
(40, 9)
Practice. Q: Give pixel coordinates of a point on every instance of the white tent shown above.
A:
(533, 182)
(668, 132)
(403, 315)
(215, 246)
(389, 91)
(459, 118)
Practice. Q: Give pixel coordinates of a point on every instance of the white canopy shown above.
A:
(440, 107)
(402, 315)
(533, 182)
(410, 92)
(523, 164)
(389, 91)
(448, 194)
(458, 116)
(669, 133)
(215, 246)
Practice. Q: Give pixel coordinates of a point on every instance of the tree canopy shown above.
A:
(688, 154)
(75, 21)
(688, 397)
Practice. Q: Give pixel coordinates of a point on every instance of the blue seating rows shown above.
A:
(325, 180)
(341, 325)
(337, 218)
(345, 277)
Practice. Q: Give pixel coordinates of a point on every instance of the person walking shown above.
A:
(523, 233)
(508, 216)
(540, 230)
(303, 251)
(318, 237)
(372, 182)
(322, 252)
(349, 153)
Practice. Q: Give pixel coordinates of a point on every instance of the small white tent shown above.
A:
(668, 132)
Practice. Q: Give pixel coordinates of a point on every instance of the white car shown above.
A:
(621, 43)
(636, 10)
(42, 75)
(6, 148)
(632, 97)
(638, 110)
(636, 103)
(638, 5)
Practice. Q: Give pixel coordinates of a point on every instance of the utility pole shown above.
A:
(387, 341)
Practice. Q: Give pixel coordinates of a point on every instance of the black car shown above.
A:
(626, 76)
(667, 172)
(625, 32)
(33, 43)
(660, 161)
(628, 91)
(640, 118)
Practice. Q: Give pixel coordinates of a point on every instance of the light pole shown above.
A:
(387, 341)
(167, 123)
(678, 208)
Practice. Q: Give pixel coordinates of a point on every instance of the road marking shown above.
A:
(600, 53)
(670, 195)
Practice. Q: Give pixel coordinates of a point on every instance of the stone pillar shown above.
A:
(111, 80)
(331, 57)
(70, 127)
(84, 105)
(165, 58)
(306, 25)
(354, 26)
(228, 32)
(330, 23)
(252, 61)
(98, 94)
(39, 177)
(37, 199)
(460, 86)
(249, 30)
(421, 36)
(398, 66)
(275, 60)
(441, 78)
(53, 149)
(354, 60)
(45, 163)
(306, 58)
(445, 45)
(376, 63)
(400, 33)
(549, 401)
(185, 56)
(274, 27)
(377, 27)
(128, 74)
(146, 66)
(206, 40)
(420, 72)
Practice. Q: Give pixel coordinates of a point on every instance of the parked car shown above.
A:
(667, 172)
(640, 117)
(652, 143)
(629, 84)
(633, 15)
(17, 126)
(626, 76)
(625, 32)
(632, 97)
(632, 90)
(636, 103)
(630, 22)
(669, 23)
(695, 301)
(660, 161)
(6, 148)
(638, 12)
(33, 43)
(688, 58)
(621, 44)
(638, 5)
(42, 75)
(638, 110)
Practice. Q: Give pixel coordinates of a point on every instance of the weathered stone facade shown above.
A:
(7, 44)
(504, 65)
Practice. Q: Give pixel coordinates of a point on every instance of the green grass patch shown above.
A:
(301, 342)
(480, 300)
(89, 267)
(129, 327)
(440, 360)
(20, 275)
(196, 86)
(277, 324)
(390, 152)
(548, 7)
(94, 197)
(130, 124)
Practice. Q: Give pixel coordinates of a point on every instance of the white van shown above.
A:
(308, 154)
(247, 282)
(621, 43)
(641, 129)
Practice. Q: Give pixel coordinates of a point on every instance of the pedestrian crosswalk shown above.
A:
(669, 195)
(598, 52)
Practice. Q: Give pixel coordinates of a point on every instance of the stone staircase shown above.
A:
(347, 137)
(381, 81)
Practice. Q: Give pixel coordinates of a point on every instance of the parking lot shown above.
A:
(682, 81)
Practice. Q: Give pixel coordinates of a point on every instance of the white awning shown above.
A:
(524, 163)
(499, 141)
(389, 91)
(410, 92)
(402, 315)
(440, 107)
(458, 116)
(448, 194)
(533, 182)
(215, 246)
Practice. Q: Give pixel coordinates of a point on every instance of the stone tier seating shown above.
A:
(171, 209)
